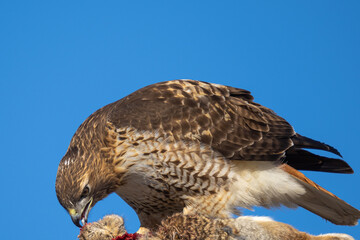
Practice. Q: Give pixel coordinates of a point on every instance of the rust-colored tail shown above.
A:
(322, 202)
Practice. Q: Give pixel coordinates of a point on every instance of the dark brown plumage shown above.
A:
(193, 146)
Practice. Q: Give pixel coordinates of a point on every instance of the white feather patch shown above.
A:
(263, 184)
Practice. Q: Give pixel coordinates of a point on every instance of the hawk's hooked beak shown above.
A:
(80, 216)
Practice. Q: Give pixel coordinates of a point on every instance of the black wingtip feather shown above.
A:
(305, 142)
(303, 160)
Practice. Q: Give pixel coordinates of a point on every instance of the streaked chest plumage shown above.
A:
(163, 174)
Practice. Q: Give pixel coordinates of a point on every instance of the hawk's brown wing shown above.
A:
(223, 117)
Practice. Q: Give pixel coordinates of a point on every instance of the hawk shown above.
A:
(197, 148)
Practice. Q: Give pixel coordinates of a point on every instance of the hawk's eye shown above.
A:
(85, 192)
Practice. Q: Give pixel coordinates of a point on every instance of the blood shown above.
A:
(128, 236)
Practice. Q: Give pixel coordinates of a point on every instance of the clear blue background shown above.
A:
(62, 60)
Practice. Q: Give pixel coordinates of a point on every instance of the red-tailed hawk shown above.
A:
(194, 147)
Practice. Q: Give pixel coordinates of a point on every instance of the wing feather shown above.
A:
(226, 118)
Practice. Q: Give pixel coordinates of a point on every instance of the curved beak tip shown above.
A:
(78, 217)
(76, 220)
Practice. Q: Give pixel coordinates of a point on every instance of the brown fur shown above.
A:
(179, 226)
(109, 227)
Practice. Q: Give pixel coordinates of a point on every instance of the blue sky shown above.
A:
(62, 60)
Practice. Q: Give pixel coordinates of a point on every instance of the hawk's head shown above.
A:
(82, 180)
